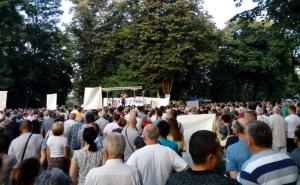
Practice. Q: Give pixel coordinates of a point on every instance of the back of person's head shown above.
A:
(89, 135)
(202, 144)
(174, 129)
(95, 126)
(240, 125)
(52, 177)
(225, 118)
(259, 110)
(72, 116)
(89, 117)
(276, 110)
(25, 172)
(114, 144)
(260, 133)
(122, 122)
(151, 132)
(292, 108)
(163, 128)
(26, 125)
(250, 115)
(58, 128)
(116, 117)
(159, 113)
(51, 114)
(120, 108)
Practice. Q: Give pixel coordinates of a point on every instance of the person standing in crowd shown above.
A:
(164, 129)
(159, 115)
(237, 153)
(102, 122)
(114, 171)
(265, 166)
(47, 123)
(58, 150)
(155, 159)
(176, 135)
(74, 143)
(113, 125)
(28, 145)
(25, 172)
(279, 130)
(89, 118)
(295, 154)
(7, 162)
(261, 116)
(292, 122)
(68, 126)
(86, 158)
(205, 152)
(130, 133)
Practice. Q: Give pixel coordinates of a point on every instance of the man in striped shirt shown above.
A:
(265, 165)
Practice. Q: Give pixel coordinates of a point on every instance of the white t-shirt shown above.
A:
(56, 145)
(292, 122)
(156, 163)
(110, 127)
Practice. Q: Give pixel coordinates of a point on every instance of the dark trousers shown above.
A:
(290, 144)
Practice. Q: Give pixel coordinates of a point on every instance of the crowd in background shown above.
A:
(250, 143)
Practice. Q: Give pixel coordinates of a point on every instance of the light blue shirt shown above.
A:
(171, 144)
(236, 155)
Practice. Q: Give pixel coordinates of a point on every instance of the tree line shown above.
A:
(168, 47)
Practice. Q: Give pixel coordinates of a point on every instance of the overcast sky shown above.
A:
(221, 10)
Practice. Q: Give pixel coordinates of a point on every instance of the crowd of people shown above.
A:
(249, 143)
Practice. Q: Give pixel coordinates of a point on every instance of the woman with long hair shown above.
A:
(176, 135)
(86, 158)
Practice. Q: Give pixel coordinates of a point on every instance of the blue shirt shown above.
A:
(295, 155)
(236, 155)
(171, 144)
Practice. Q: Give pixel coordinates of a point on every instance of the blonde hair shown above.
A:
(58, 128)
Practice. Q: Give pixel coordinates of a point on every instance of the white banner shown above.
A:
(191, 124)
(92, 98)
(3, 98)
(192, 104)
(51, 101)
(137, 101)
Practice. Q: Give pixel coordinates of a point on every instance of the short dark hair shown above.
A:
(260, 133)
(292, 108)
(89, 117)
(226, 118)
(202, 144)
(159, 113)
(116, 117)
(163, 128)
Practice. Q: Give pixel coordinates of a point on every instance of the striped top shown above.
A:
(268, 167)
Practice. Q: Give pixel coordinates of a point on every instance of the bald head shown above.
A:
(150, 132)
(276, 110)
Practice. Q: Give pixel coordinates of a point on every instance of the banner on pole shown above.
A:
(51, 101)
(92, 98)
(3, 98)
(191, 124)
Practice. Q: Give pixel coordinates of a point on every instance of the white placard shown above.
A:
(137, 101)
(3, 98)
(92, 98)
(192, 104)
(51, 101)
(191, 124)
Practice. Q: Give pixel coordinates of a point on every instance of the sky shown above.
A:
(220, 10)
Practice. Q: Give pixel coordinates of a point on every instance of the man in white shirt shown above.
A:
(111, 126)
(261, 116)
(154, 161)
(36, 146)
(114, 171)
(292, 122)
(279, 130)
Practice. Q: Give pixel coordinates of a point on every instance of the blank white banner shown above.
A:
(51, 101)
(3, 98)
(92, 98)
